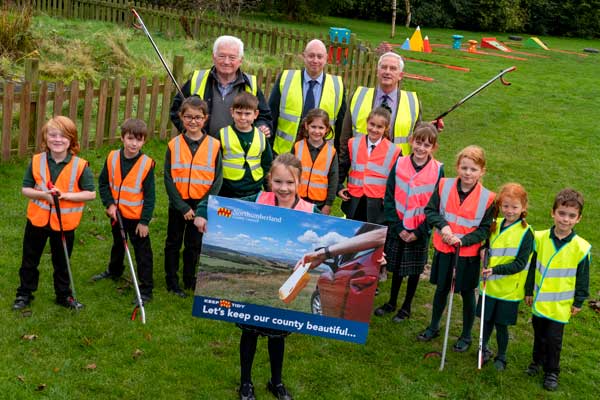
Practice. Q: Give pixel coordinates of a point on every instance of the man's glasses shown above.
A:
(190, 118)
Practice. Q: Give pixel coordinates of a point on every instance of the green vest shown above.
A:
(292, 103)
(234, 158)
(504, 247)
(199, 79)
(555, 275)
(402, 127)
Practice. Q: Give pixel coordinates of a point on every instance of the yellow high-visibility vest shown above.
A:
(234, 158)
(200, 77)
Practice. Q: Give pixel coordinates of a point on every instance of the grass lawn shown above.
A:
(542, 132)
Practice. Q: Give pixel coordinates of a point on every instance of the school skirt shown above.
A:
(498, 311)
(404, 258)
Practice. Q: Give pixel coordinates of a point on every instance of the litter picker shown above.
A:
(51, 186)
(476, 91)
(452, 283)
(482, 296)
(140, 303)
(142, 26)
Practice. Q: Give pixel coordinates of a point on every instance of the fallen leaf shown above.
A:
(26, 313)
(86, 341)
(148, 336)
(137, 353)
(29, 337)
(40, 387)
(90, 366)
(56, 369)
(100, 237)
(21, 378)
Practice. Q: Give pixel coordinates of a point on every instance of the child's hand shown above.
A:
(408, 236)
(575, 310)
(529, 300)
(326, 210)
(188, 216)
(486, 272)
(200, 223)
(343, 194)
(265, 130)
(141, 230)
(111, 211)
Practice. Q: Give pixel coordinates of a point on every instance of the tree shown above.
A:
(394, 18)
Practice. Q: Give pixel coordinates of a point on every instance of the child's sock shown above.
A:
(247, 351)
(396, 283)
(276, 350)
(502, 338)
(439, 303)
(411, 289)
(468, 297)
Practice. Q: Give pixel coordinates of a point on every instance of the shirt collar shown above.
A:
(563, 240)
(393, 95)
(307, 77)
(65, 161)
(373, 143)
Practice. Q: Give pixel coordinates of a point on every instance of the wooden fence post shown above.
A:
(32, 72)
(288, 61)
(178, 62)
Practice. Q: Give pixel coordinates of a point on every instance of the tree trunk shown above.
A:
(394, 18)
(408, 14)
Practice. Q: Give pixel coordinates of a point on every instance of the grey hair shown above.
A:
(392, 54)
(228, 40)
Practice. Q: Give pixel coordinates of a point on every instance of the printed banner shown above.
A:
(288, 270)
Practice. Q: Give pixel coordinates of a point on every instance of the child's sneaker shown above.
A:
(246, 391)
(551, 381)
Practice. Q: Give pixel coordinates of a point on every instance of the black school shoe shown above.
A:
(384, 309)
(69, 302)
(279, 391)
(533, 369)
(104, 275)
(487, 355)
(401, 316)
(22, 302)
(462, 344)
(246, 391)
(145, 299)
(178, 292)
(551, 381)
(428, 334)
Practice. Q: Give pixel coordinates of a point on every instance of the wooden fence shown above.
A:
(99, 109)
(173, 22)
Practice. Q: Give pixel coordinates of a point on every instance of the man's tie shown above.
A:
(309, 101)
(385, 103)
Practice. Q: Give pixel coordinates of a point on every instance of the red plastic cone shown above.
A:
(426, 46)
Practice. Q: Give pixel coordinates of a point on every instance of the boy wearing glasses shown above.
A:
(247, 155)
(192, 172)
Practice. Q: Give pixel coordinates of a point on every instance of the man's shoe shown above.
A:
(462, 344)
(551, 381)
(384, 309)
(103, 275)
(178, 292)
(69, 302)
(279, 391)
(21, 302)
(428, 334)
(401, 316)
(246, 391)
(533, 369)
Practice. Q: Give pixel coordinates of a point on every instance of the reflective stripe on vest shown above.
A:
(268, 198)
(235, 159)
(414, 189)
(369, 174)
(556, 275)
(193, 176)
(200, 77)
(314, 181)
(406, 115)
(291, 105)
(40, 212)
(462, 218)
(128, 193)
(504, 247)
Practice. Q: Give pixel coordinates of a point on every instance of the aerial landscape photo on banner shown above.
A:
(289, 270)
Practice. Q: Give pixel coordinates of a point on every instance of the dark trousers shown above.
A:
(180, 231)
(547, 343)
(276, 347)
(143, 255)
(34, 241)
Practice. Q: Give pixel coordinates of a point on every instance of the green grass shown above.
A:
(541, 132)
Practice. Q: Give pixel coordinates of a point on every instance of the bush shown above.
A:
(15, 37)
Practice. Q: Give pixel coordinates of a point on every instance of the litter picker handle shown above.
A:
(121, 226)
(51, 186)
(479, 89)
(142, 26)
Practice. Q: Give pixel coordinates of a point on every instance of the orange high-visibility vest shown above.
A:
(313, 183)
(40, 212)
(414, 189)
(193, 176)
(127, 193)
(268, 198)
(369, 174)
(463, 218)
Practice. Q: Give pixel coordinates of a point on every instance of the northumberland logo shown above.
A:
(224, 212)
(225, 303)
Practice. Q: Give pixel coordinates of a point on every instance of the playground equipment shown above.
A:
(426, 45)
(493, 43)
(456, 41)
(472, 46)
(416, 40)
(535, 43)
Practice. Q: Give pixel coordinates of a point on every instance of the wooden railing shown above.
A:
(98, 109)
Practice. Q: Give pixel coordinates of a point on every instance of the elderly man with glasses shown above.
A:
(219, 85)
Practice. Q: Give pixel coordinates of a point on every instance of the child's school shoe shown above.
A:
(279, 391)
(246, 391)
(401, 316)
(462, 344)
(21, 302)
(551, 381)
(145, 299)
(428, 334)
(500, 364)
(533, 369)
(487, 355)
(384, 309)
(69, 302)
(104, 275)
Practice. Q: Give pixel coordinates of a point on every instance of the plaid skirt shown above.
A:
(404, 258)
